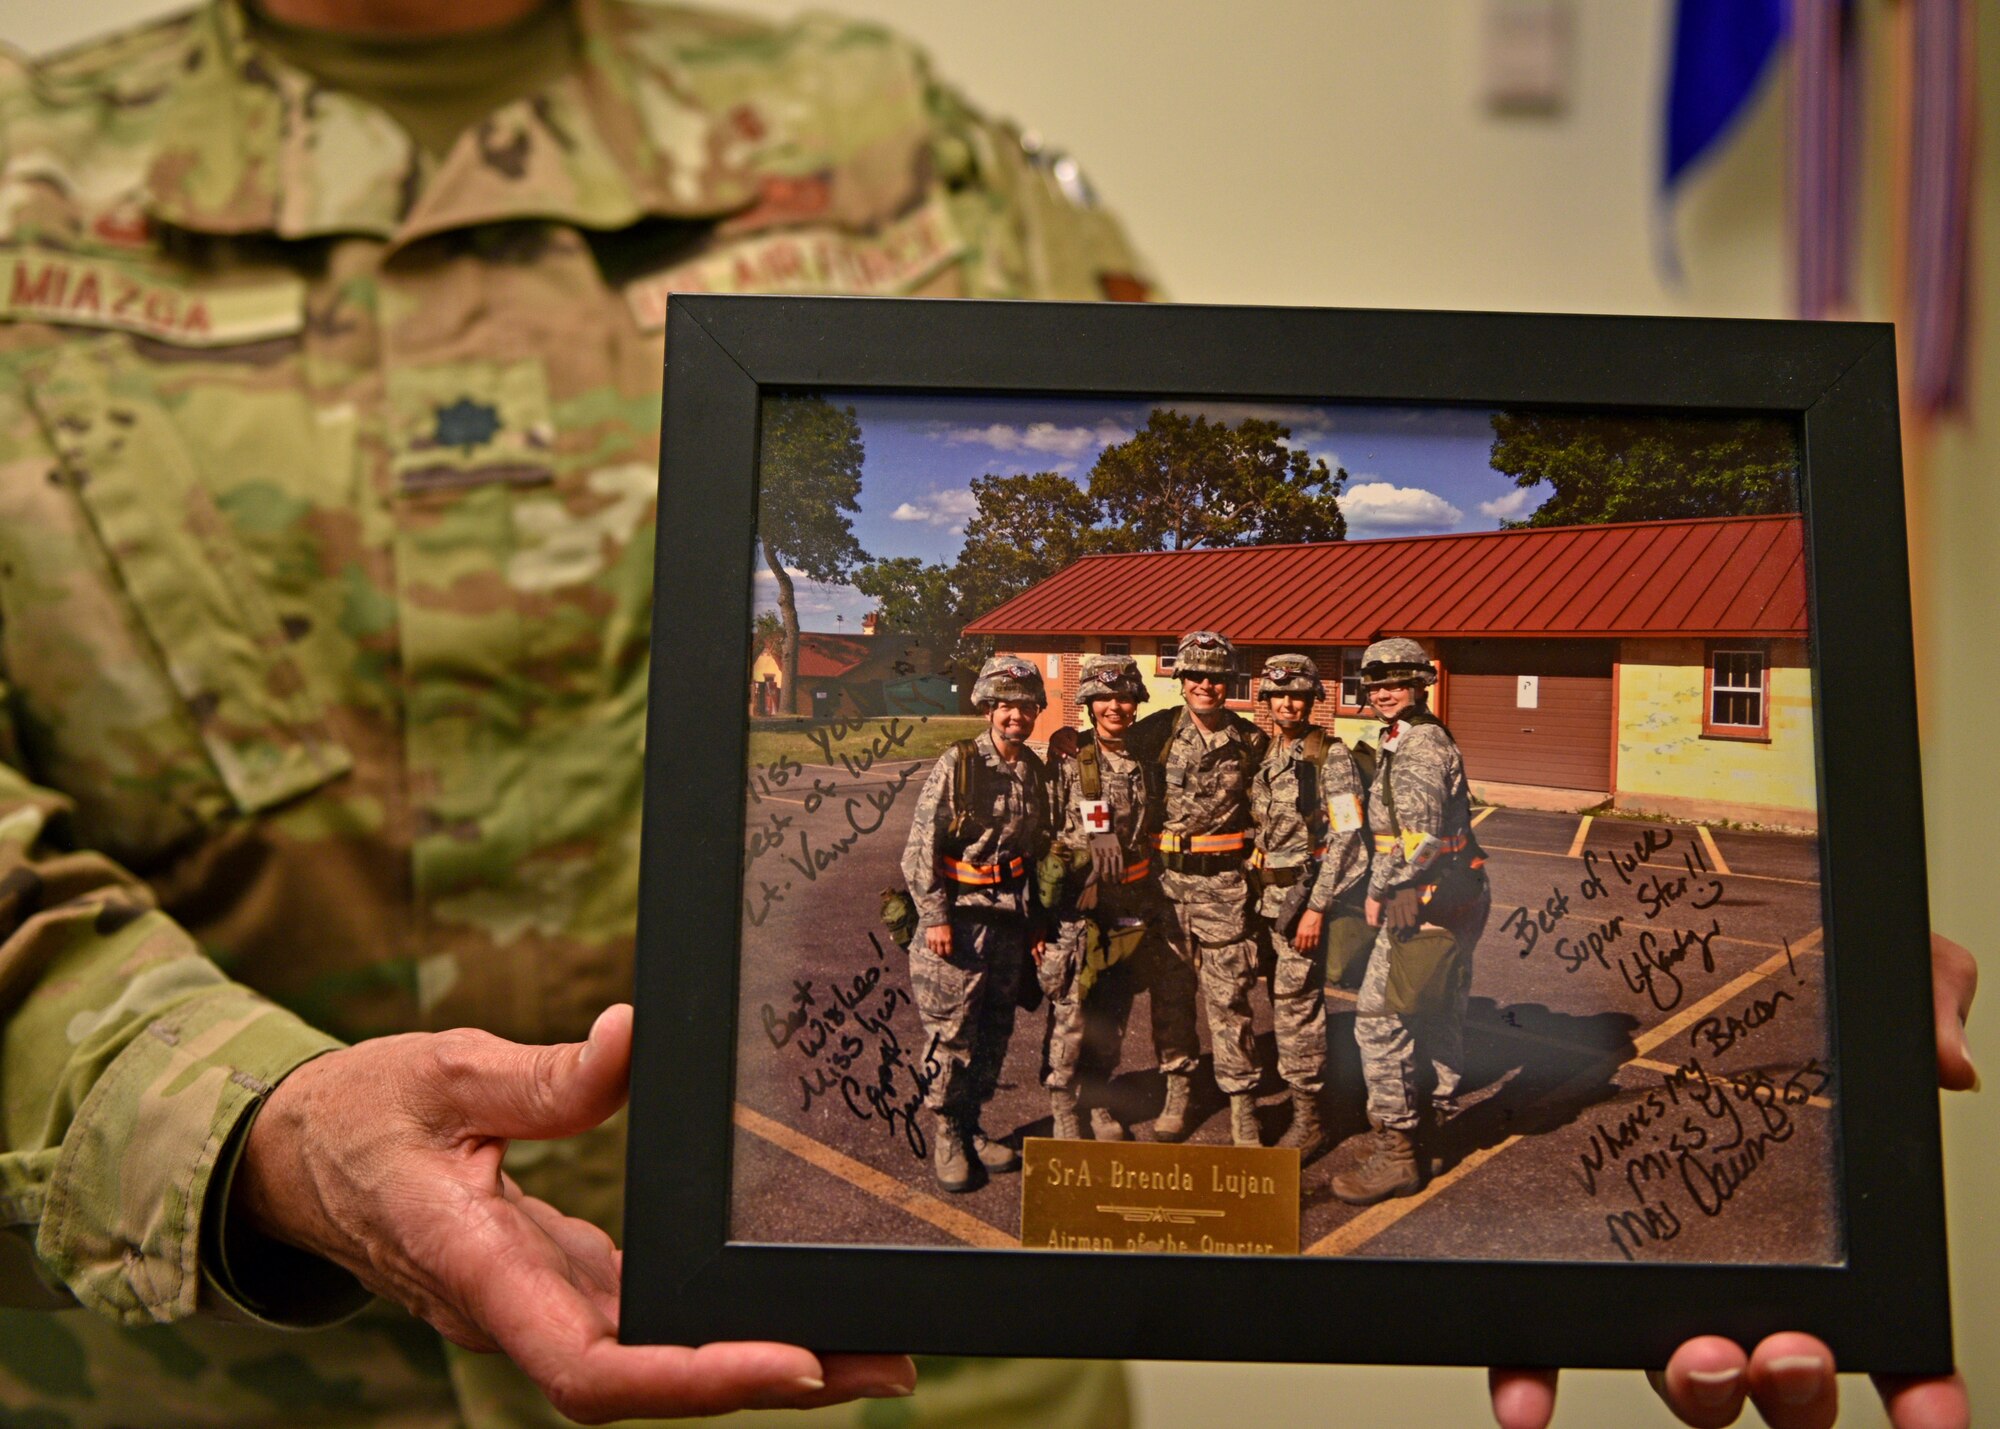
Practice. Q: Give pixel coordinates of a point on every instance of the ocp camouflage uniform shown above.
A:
(1208, 798)
(1086, 1034)
(327, 481)
(1308, 824)
(980, 883)
(1420, 769)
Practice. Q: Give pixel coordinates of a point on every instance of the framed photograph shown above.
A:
(1201, 833)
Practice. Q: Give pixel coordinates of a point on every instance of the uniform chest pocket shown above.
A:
(189, 584)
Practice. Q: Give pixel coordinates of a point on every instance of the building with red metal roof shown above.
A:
(1658, 666)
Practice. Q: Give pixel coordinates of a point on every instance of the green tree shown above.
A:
(767, 631)
(1181, 482)
(1024, 529)
(1637, 468)
(914, 599)
(809, 482)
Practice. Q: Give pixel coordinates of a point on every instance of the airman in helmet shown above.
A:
(1311, 849)
(1109, 944)
(1207, 754)
(975, 835)
(1427, 893)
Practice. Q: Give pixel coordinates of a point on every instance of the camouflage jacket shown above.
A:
(1007, 822)
(1134, 816)
(326, 524)
(1420, 808)
(1305, 812)
(1207, 792)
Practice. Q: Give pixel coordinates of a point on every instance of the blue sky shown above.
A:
(1411, 470)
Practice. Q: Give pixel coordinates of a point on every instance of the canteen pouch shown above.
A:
(899, 916)
(1427, 970)
(1346, 940)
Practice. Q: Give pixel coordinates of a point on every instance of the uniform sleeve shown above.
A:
(1418, 777)
(1345, 863)
(927, 832)
(128, 1068)
(1034, 226)
(1063, 784)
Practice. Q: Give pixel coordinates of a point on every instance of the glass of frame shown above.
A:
(1666, 1067)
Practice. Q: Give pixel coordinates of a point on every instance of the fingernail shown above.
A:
(890, 1390)
(786, 1394)
(806, 1384)
(590, 1038)
(1797, 1379)
(1712, 1388)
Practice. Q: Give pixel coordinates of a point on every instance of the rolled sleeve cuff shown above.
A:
(138, 1166)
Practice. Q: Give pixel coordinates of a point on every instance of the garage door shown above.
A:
(1532, 712)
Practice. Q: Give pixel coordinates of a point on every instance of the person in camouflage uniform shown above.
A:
(980, 825)
(1207, 754)
(1109, 815)
(327, 471)
(1305, 801)
(1429, 896)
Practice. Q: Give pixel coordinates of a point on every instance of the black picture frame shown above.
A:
(1885, 1310)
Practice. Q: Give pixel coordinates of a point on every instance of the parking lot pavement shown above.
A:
(1648, 1067)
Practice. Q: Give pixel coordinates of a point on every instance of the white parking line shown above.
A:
(1582, 832)
(1714, 853)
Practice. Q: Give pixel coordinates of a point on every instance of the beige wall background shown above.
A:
(1338, 152)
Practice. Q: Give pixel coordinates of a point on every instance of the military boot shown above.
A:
(1389, 1170)
(1062, 1109)
(1243, 1129)
(1105, 1125)
(1307, 1132)
(993, 1155)
(948, 1160)
(1172, 1122)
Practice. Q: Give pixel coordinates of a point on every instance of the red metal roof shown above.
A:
(1739, 575)
(826, 656)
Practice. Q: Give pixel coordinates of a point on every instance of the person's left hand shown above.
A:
(1305, 937)
(1789, 1376)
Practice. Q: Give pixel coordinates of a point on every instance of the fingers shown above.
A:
(484, 1086)
(1705, 1382)
(1939, 1403)
(1791, 1381)
(1522, 1398)
(1954, 981)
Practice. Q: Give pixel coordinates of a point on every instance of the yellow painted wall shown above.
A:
(1664, 759)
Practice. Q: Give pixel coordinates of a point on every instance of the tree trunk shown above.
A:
(788, 646)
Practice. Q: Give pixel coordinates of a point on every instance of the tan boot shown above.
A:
(948, 1159)
(1172, 1122)
(1389, 1170)
(993, 1155)
(1243, 1129)
(1307, 1132)
(1062, 1109)
(1105, 1126)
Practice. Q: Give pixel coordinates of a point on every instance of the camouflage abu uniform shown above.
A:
(1204, 844)
(1420, 817)
(1308, 825)
(978, 880)
(1086, 1032)
(326, 526)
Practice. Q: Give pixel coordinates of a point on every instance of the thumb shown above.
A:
(495, 1088)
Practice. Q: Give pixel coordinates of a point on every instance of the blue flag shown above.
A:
(1721, 49)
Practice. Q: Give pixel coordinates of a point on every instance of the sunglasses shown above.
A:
(1204, 679)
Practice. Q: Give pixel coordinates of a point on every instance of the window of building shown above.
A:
(1169, 650)
(1351, 696)
(1117, 645)
(1737, 694)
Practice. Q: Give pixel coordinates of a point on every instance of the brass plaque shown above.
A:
(1159, 1198)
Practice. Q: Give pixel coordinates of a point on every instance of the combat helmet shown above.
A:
(1008, 677)
(1396, 662)
(1105, 677)
(1203, 652)
(1290, 675)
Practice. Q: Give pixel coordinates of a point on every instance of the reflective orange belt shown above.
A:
(984, 875)
(1202, 843)
(1384, 843)
(1136, 871)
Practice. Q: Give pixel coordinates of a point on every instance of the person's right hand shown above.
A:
(937, 940)
(384, 1158)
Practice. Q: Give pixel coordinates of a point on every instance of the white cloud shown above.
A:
(1039, 437)
(1515, 504)
(1381, 508)
(812, 597)
(938, 508)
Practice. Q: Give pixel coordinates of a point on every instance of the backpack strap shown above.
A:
(962, 774)
(1090, 774)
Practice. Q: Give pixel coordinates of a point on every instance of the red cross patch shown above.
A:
(1097, 816)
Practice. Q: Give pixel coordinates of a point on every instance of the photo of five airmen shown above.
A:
(1189, 855)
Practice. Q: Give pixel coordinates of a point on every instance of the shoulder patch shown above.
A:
(75, 291)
